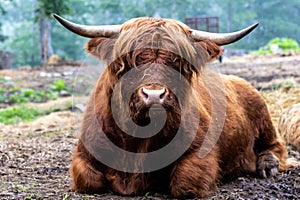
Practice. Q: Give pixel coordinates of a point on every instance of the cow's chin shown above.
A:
(141, 116)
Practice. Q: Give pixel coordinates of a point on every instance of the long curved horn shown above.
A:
(222, 38)
(89, 31)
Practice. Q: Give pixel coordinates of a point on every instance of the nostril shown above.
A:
(144, 93)
(162, 96)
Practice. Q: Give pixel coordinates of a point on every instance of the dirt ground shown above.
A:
(35, 157)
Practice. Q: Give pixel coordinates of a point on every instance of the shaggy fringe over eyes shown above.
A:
(162, 41)
(154, 40)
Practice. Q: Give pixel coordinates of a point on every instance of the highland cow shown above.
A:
(156, 52)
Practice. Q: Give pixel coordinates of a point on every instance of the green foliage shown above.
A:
(67, 45)
(66, 197)
(2, 37)
(2, 12)
(24, 113)
(24, 95)
(58, 86)
(19, 187)
(2, 90)
(233, 15)
(146, 196)
(285, 44)
(19, 113)
(286, 85)
(24, 39)
(30, 196)
(42, 16)
(46, 7)
(276, 20)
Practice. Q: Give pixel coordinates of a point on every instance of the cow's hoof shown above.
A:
(267, 165)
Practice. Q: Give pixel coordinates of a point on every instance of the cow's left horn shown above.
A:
(222, 38)
(89, 31)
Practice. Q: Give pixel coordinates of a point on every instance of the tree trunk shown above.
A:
(45, 46)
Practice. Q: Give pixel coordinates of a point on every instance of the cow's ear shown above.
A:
(212, 48)
(100, 47)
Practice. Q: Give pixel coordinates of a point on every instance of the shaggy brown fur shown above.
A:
(248, 142)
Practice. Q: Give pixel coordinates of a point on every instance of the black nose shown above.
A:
(153, 96)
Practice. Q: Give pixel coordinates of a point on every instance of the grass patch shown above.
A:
(15, 95)
(284, 44)
(27, 112)
(2, 137)
(33, 183)
(66, 197)
(62, 107)
(19, 113)
(19, 187)
(49, 134)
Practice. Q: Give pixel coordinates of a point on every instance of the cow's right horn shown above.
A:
(222, 38)
(89, 31)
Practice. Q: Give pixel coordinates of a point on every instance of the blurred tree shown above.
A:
(21, 31)
(235, 15)
(23, 46)
(44, 12)
(118, 11)
(277, 19)
(2, 12)
(68, 45)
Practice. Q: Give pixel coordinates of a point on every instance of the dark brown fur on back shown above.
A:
(248, 142)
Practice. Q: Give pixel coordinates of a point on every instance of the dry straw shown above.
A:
(284, 106)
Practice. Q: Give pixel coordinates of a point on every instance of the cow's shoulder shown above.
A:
(246, 96)
(240, 86)
(231, 84)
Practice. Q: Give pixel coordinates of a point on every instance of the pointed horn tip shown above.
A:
(67, 24)
(249, 29)
(56, 16)
(253, 26)
(59, 18)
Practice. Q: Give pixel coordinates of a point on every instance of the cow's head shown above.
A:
(156, 48)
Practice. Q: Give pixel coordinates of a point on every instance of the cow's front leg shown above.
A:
(272, 160)
(271, 150)
(126, 184)
(267, 165)
(86, 178)
(194, 176)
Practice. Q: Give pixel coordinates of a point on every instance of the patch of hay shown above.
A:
(289, 125)
(53, 60)
(280, 100)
